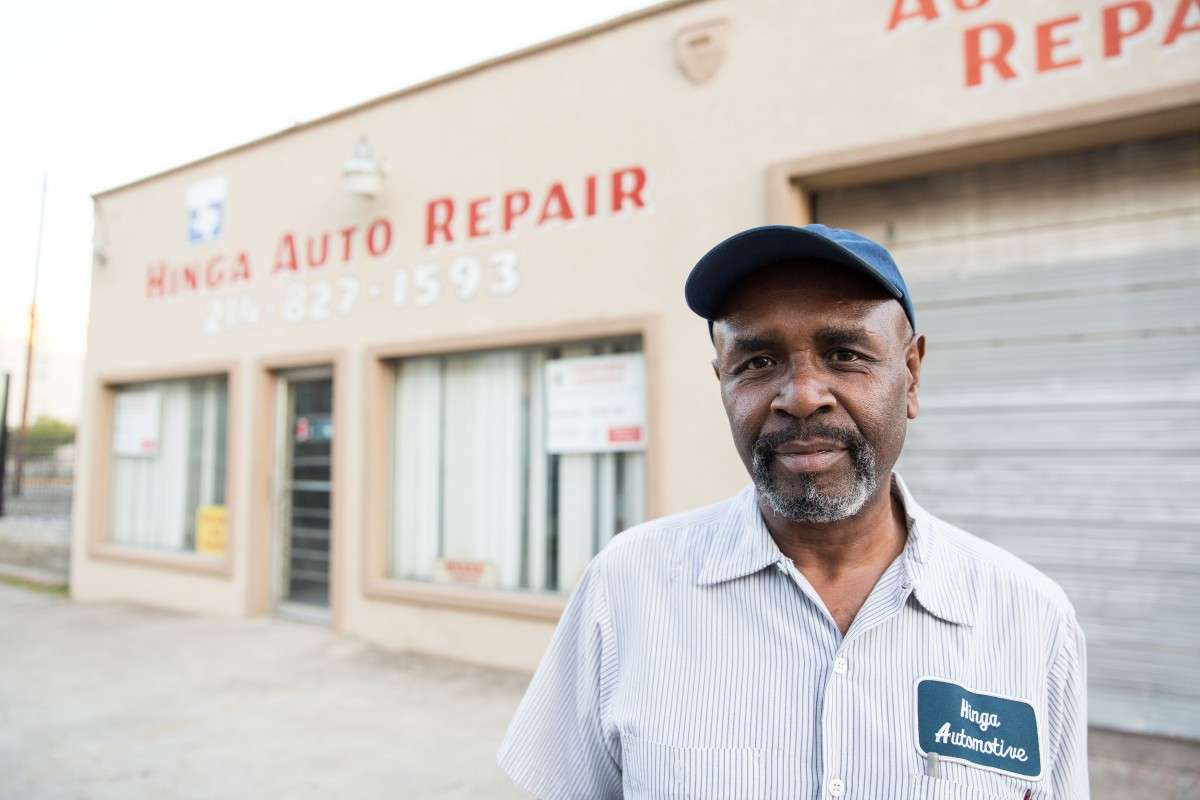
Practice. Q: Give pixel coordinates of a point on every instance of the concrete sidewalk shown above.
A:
(116, 701)
(40, 546)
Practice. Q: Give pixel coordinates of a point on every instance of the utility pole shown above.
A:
(23, 438)
(3, 437)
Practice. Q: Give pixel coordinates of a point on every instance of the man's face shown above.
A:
(819, 371)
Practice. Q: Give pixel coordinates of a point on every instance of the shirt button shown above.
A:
(839, 665)
(837, 787)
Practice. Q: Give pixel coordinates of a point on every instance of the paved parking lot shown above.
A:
(117, 701)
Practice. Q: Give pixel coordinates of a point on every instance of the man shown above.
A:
(819, 634)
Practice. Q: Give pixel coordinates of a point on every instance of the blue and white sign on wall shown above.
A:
(206, 209)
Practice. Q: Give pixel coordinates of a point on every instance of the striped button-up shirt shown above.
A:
(694, 660)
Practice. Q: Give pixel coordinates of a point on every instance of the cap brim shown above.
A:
(743, 253)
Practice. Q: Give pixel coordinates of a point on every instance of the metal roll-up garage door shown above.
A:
(1060, 413)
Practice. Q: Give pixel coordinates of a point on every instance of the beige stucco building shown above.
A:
(353, 402)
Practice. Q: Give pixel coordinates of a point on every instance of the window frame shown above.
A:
(100, 546)
(378, 584)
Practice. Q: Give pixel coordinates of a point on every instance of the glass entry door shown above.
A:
(307, 490)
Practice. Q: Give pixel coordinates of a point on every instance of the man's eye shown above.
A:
(845, 356)
(758, 362)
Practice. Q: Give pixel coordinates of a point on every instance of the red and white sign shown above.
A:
(625, 433)
(136, 423)
(470, 572)
(596, 404)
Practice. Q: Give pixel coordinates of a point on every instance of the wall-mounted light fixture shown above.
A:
(362, 175)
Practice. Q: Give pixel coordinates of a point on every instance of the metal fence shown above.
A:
(37, 475)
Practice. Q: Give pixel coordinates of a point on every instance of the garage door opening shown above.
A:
(1061, 300)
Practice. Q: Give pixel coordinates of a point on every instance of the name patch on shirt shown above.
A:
(985, 730)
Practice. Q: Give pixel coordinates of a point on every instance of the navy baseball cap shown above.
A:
(723, 266)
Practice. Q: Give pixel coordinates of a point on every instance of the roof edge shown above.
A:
(429, 83)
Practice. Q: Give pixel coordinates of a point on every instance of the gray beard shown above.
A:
(809, 504)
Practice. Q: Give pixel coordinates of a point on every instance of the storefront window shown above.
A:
(486, 491)
(168, 464)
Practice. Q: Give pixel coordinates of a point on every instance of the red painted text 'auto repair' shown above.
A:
(446, 221)
(997, 51)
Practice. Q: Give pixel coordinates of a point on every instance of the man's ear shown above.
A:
(913, 357)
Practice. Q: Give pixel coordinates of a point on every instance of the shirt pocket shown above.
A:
(654, 771)
(926, 788)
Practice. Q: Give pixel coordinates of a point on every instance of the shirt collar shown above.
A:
(742, 546)
(940, 575)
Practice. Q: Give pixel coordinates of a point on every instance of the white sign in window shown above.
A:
(596, 404)
(136, 423)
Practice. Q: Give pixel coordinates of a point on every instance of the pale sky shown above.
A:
(99, 93)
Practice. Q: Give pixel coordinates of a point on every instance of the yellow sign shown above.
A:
(212, 530)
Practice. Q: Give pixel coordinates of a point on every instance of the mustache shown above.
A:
(768, 443)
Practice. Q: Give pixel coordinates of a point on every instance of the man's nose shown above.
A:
(803, 393)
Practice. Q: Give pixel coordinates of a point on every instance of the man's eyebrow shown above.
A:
(750, 342)
(841, 336)
(829, 336)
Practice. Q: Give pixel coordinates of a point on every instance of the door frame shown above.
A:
(273, 375)
(281, 539)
